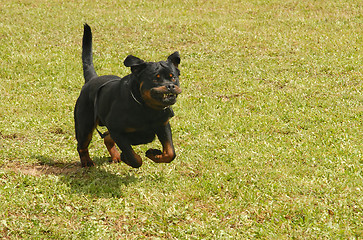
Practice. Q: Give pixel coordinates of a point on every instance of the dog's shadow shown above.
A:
(94, 181)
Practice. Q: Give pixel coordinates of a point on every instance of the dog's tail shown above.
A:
(87, 59)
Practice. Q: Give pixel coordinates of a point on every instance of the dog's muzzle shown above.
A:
(166, 95)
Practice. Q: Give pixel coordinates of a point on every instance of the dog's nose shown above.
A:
(170, 87)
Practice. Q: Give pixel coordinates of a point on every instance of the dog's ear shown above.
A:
(135, 63)
(132, 61)
(174, 59)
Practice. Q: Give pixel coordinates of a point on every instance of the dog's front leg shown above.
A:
(128, 154)
(168, 153)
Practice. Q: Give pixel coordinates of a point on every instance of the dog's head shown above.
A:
(158, 81)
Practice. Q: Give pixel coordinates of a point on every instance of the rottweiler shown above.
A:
(134, 109)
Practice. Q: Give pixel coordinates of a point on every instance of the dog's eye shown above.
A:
(156, 80)
(172, 77)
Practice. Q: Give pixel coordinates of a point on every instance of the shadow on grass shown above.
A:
(95, 181)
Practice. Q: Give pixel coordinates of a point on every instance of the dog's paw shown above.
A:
(88, 164)
(86, 160)
(115, 160)
(154, 154)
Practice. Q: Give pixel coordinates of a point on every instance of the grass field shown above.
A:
(268, 129)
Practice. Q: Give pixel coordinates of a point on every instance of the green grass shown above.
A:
(268, 129)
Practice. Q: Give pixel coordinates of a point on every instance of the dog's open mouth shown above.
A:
(161, 97)
(169, 96)
(165, 97)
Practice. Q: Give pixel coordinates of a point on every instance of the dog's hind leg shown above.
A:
(84, 139)
(84, 125)
(82, 149)
(111, 147)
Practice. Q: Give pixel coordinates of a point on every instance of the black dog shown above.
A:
(134, 108)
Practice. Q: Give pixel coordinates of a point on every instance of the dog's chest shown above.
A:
(141, 128)
(146, 121)
(137, 119)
